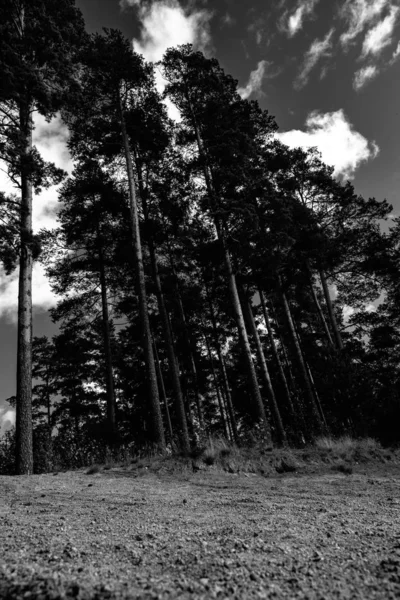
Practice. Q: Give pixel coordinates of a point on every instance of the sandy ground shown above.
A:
(137, 534)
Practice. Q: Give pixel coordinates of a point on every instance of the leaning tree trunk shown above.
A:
(24, 444)
(217, 390)
(183, 433)
(318, 307)
(188, 341)
(111, 420)
(233, 292)
(163, 393)
(301, 363)
(264, 369)
(158, 428)
(221, 359)
(276, 356)
(313, 386)
(331, 312)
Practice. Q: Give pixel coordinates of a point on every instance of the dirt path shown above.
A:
(208, 535)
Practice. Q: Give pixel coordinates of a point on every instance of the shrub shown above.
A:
(93, 470)
(343, 467)
(7, 453)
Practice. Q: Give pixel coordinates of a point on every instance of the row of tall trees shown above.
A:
(202, 266)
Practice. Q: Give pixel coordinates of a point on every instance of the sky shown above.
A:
(327, 71)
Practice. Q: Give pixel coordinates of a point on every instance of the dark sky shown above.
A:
(297, 58)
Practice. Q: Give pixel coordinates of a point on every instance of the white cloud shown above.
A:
(228, 20)
(358, 14)
(295, 21)
(380, 35)
(347, 312)
(166, 24)
(7, 418)
(395, 54)
(318, 50)
(50, 140)
(255, 80)
(42, 295)
(364, 75)
(340, 145)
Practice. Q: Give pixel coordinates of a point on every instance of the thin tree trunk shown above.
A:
(183, 433)
(111, 419)
(24, 443)
(48, 407)
(228, 395)
(276, 355)
(318, 307)
(231, 279)
(188, 342)
(313, 386)
(301, 363)
(264, 369)
(163, 393)
(331, 312)
(221, 409)
(158, 428)
(226, 409)
(221, 359)
(49, 454)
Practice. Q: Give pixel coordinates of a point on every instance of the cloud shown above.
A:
(166, 24)
(357, 14)
(380, 35)
(364, 75)
(7, 418)
(395, 54)
(51, 142)
(347, 312)
(318, 50)
(228, 20)
(255, 80)
(42, 295)
(295, 21)
(340, 145)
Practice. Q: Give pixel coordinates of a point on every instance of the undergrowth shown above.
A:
(341, 454)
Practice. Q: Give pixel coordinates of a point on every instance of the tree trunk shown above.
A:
(313, 386)
(331, 312)
(183, 433)
(264, 369)
(24, 443)
(158, 428)
(221, 409)
(319, 309)
(221, 359)
(277, 357)
(231, 280)
(228, 395)
(111, 420)
(188, 342)
(301, 363)
(163, 393)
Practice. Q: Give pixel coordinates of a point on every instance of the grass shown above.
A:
(93, 470)
(340, 454)
(349, 449)
(342, 467)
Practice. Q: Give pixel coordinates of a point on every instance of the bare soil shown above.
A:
(133, 533)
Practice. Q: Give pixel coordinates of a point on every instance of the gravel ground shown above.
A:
(137, 534)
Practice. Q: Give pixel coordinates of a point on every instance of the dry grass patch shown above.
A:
(93, 470)
(350, 450)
